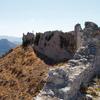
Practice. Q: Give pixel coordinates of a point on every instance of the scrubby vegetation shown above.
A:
(22, 74)
(93, 88)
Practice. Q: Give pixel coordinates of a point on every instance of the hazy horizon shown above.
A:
(22, 16)
(10, 36)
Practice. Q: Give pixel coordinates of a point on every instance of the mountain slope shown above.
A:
(5, 46)
(22, 74)
(12, 39)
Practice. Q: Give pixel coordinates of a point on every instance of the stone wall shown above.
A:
(28, 39)
(56, 45)
(78, 35)
(64, 83)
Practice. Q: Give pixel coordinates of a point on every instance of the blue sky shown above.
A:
(18, 16)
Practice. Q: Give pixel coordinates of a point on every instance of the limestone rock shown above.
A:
(28, 39)
(91, 25)
(89, 97)
(91, 32)
(73, 62)
(77, 56)
(37, 38)
(56, 45)
(66, 83)
(78, 35)
(58, 77)
(78, 28)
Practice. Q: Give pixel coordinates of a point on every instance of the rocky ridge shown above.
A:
(25, 74)
(55, 45)
(64, 83)
(22, 74)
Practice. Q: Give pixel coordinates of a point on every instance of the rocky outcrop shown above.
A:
(91, 25)
(91, 32)
(65, 82)
(61, 46)
(28, 39)
(56, 45)
(78, 35)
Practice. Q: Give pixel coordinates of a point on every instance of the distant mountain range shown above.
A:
(15, 40)
(5, 46)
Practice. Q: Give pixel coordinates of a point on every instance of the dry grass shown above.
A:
(22, 74)
(94, 87)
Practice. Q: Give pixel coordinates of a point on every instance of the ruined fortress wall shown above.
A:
(64, 83)
(77, 73)
(56, 45)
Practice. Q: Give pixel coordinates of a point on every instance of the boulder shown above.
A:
(89, 97)
(57, 77)
(91, 25)
(73, 62)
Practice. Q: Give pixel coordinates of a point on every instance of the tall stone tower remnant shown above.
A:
(78, 35)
